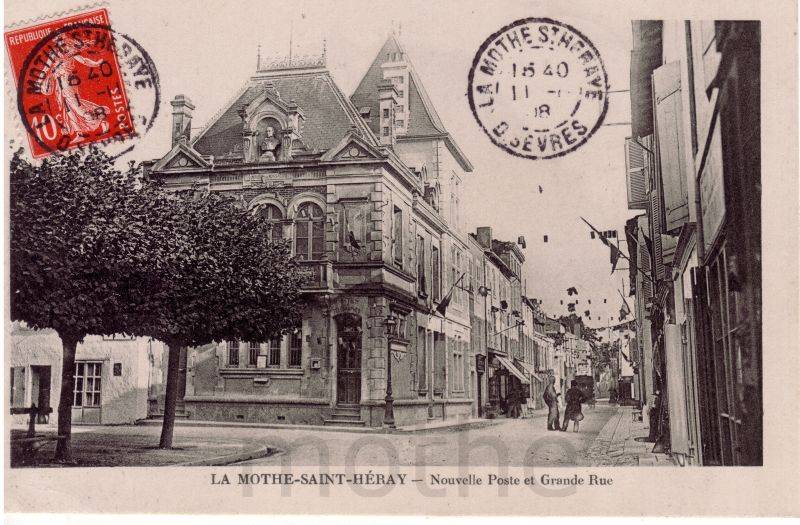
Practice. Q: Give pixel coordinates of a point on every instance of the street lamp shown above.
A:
(388, 415)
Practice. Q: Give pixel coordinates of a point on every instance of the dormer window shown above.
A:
(365, 112)
(432, 197)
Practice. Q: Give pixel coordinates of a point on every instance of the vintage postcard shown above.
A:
(415, 258)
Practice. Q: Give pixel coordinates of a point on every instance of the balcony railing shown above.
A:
(316, 275)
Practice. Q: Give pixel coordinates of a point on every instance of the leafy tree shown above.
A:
(74, 234)
(223, 280)
(97, 251)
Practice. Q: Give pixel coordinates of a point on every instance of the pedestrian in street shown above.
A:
(551, 400)
(574, 398)
(513, 402)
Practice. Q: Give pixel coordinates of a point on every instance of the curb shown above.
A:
(219, 461)
(276, 426)
(355, 430)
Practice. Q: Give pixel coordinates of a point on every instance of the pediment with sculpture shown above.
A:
(271, 127)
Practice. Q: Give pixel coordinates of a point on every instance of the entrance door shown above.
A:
(348, 379)
(478, 395)
(41, 382)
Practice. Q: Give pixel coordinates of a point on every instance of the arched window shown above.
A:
(309, 236)
(272, 214)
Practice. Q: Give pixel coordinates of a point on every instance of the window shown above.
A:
(400, 93)
(385, 112)
(439, 365)
(254, 350)
(309, 238)
(18, 386)
(435, 275)
(432, 197)
(397, 236)
(422, 360)
(399, 123)
(87, 384)
(422, 285)
(296, 347)
(386, 131)
(272, 214)
(233, 353)
(274, 351)
(458, 366)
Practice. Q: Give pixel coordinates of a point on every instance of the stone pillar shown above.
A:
(182, 108)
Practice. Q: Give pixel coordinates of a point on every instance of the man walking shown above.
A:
(551, 400)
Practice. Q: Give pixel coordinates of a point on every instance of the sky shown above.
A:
(207, 50)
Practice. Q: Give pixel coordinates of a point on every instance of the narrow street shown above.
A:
(512, 442)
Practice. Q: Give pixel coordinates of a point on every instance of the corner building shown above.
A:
(367, 189)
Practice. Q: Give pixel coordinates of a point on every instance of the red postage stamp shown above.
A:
(70, 91)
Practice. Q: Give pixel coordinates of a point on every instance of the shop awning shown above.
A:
(529, 368)
(513, 369)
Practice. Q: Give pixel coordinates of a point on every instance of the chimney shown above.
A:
(387, 95)
(181, 118)
(484, 234)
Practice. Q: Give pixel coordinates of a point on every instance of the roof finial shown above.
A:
(325, 50)
(258, 59)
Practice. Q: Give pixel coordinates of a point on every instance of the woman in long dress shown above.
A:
(76, 115)
(574, 398)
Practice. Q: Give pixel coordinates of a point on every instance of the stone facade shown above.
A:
(372, 216)
(368, 190)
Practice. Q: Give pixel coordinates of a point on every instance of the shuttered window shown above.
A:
(670, 139)
(636, 176)
(655, 233)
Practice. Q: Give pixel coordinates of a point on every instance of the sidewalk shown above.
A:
(436, 424)
(123, 447)
(617, 443)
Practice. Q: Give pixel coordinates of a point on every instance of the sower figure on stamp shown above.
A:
(76, 115)
(551, 400)
(574, 398)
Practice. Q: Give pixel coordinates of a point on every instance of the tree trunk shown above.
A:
(171, 397)
(64, 446)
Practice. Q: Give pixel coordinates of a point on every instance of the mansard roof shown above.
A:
(423, 119)
(328, 114)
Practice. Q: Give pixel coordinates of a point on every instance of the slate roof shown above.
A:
(329, 115)
(423, 119)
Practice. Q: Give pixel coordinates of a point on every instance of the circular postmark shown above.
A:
(85, 84)
(538, 88)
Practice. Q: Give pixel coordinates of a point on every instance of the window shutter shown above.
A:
(655, 215)
(669, 133)
(635, 162)
(643, 260)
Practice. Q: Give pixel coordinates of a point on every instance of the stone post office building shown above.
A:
(368, 189)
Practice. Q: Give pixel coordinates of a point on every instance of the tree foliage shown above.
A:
(70, 243)
(98, 251)
(73, 241)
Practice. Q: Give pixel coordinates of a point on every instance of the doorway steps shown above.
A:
(345, 416)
